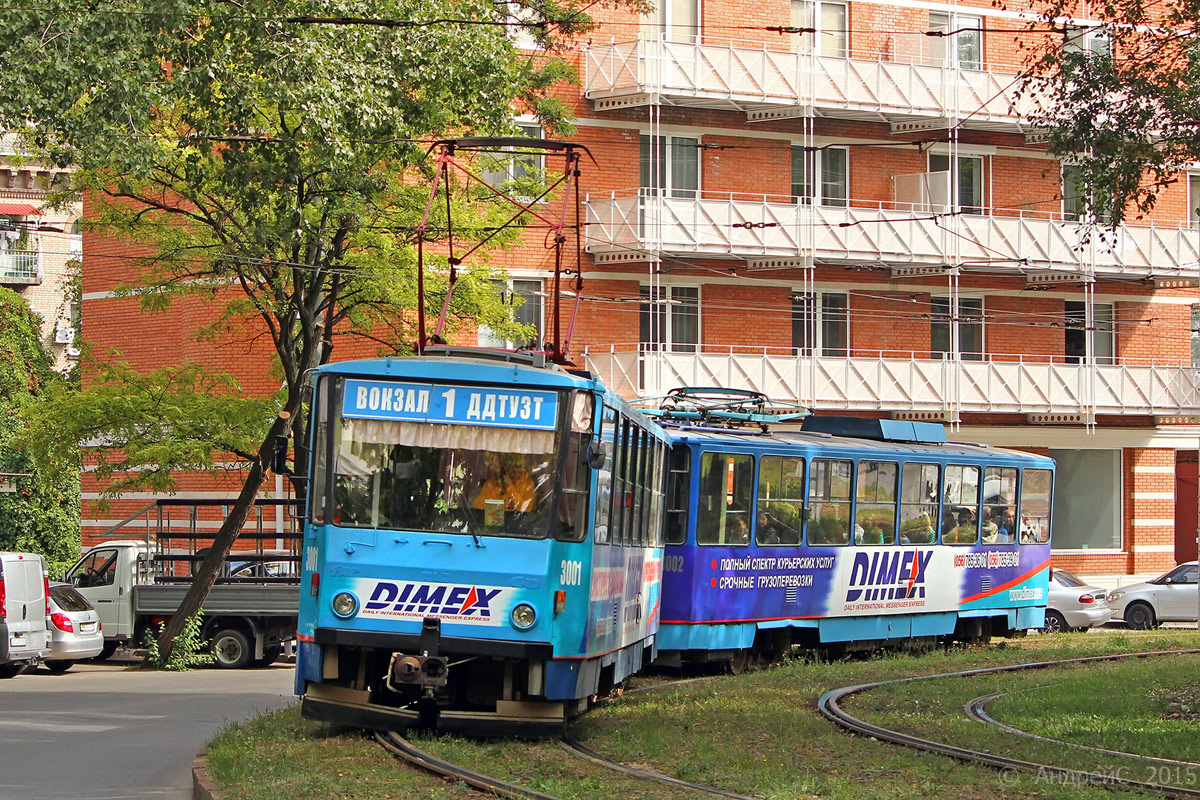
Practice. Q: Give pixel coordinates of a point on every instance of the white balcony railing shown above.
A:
(896, 382)
(20, 266)
(755, 78)
(626, 224)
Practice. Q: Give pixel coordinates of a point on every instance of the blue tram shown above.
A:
(850, 533)
(484, 543)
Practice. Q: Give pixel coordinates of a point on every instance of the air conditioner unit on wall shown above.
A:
(64, 335)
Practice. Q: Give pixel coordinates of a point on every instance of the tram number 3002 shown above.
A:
(571, 574)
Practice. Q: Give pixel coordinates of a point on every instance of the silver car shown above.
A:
(1168, 598)
(75, 631)
(1072, 605)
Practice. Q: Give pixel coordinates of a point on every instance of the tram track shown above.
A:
(829, 705)
(406, 751)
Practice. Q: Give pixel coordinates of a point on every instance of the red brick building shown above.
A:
(859, 217)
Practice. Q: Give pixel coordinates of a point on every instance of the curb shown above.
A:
(202, 784)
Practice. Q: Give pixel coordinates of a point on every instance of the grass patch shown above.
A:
(757, 733)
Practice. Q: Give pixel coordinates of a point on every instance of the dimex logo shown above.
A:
(884, 575)
(471, 604)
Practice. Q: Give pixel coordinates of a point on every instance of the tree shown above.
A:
(42, 516)
(267, 156)
(1121, 99)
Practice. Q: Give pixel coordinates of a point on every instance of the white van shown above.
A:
(24, 637)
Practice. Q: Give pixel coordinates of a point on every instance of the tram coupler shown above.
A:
(423, 670)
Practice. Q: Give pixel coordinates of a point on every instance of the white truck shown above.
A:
(248, 616)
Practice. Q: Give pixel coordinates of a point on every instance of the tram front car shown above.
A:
(451, 574)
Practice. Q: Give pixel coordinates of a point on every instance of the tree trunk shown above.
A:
(206, 576)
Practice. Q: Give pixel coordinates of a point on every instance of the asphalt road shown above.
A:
(108, 732)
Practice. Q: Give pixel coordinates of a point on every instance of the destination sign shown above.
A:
(458, 405)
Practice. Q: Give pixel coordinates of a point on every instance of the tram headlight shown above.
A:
(523, 616)
(345, 604)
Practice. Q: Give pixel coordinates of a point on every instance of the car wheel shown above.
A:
(1055, 622)
(12, 670)
(270, 656)
(231, 649)
(58, 667)
(1140, 616)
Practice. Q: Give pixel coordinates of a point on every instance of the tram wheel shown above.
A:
(740, 662)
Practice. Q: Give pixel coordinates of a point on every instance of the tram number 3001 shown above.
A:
(572, 573)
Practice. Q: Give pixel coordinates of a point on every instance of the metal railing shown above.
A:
(753, 75)
(178, 532)
(20, 266)
(884, 232)
(906, 381)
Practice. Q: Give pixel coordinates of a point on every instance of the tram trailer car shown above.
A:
(435, 594)
(852, 533)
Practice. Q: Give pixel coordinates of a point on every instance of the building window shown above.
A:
(1194, 200)
(969, 323)
(502, 171)
(528, 311)
(1087, 499)
(677, 20)
(962, 44)
(1079, 202)
(821, 324)
(1196, 336)
(1075, 332)
(829, 20)
(675, 325)
(677, 167)
(831, 170)
(968, 176)
(1092, 41)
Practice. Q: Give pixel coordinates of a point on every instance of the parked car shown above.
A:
(24, 640)
(1072, 605)
(1171, 597)
(75, 631)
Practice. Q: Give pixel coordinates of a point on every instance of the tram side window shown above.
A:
(324, 449)
(576, 478)
(875, 506)
(829, 501)
(780, 515)
(620, 466)
(657, 489)
(1035, 506)
(960, 512)
(638, 489)
(604, 476)
(726, 492)
(678, 484)
(919, 503)
(999, 519)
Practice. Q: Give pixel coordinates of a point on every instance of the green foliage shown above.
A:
(42, 516)
(1124, 119)
(188, 650)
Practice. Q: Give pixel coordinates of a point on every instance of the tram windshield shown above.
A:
(484, 480)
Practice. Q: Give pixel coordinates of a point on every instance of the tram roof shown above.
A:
(815, 441)
(465, 365)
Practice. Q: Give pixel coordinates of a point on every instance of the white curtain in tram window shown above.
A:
(1087, 499)
(447, 437)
